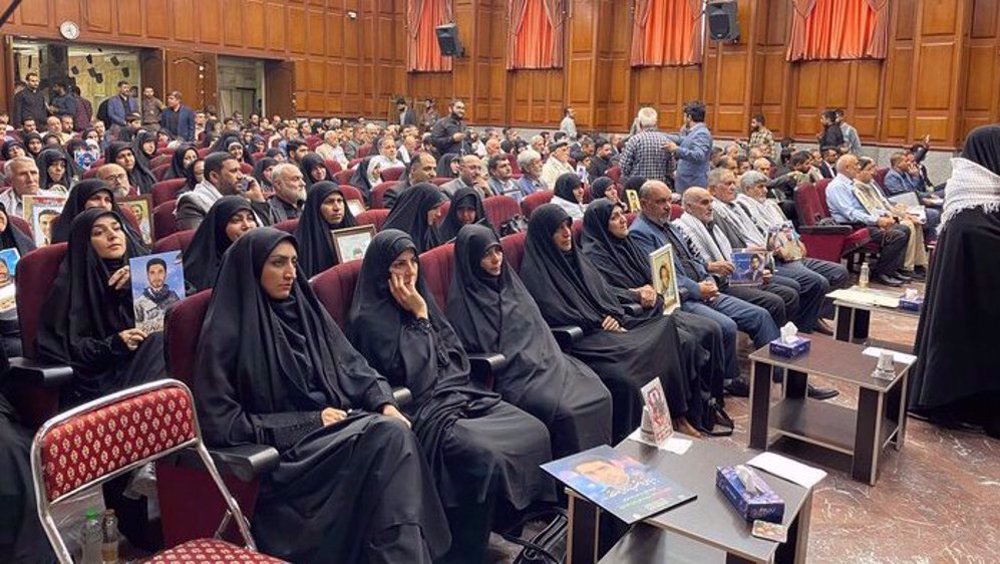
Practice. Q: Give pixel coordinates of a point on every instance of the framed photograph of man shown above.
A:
(157, 283)
(351, 243)
(633, 200)
(141, 207)
(661, 261)
(356, 207)
(8, 269)
(51, 201)
(43, 215)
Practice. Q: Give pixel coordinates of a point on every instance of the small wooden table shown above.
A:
(880, 417)
(852, 320)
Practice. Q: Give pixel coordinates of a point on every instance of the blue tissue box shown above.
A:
(911, 305)
(765, 505)
(797, 348)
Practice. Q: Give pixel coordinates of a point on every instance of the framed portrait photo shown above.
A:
(141, 207)
(8, 269)
(750, 267)
(351, 243)
(43, 217)
(661, 261)
(633, 200)
(356, 207)
(157, 283)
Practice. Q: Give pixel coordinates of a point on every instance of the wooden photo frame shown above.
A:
(142, 209)
(661, 263)
(351, 243)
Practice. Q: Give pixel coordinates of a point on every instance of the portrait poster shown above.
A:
(157, 283)
(43, 216)
(30, 201)
(784, 238)
(351, 243)
(618, 483)
(661, 262)
(750, 267)
(356, 206)
(141, 207)
(659, 412)
(8, 270)
(633, 200)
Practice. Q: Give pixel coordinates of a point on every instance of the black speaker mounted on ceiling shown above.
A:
(447, 36)
(723, 24)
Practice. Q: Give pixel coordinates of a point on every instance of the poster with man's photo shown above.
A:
(750, 267)
(157, 284)
(8, 269)
(41, 212)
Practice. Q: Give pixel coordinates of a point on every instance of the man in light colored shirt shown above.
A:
(882, 227)
(530, 163)
(22, 173)
(557, 163)
(330, 148)
(568, 124)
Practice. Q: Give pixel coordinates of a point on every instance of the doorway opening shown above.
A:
(241, 86)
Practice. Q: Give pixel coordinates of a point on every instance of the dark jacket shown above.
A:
(184, 127)
(30, 104)
(442, 132)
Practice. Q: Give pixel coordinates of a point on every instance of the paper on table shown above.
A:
(801, 474)
(673, 443)
(899, 357)
(865, 297)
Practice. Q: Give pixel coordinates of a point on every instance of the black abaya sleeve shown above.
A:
(97, 353)
(418, 357)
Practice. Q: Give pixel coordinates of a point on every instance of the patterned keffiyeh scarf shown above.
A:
(970, 186)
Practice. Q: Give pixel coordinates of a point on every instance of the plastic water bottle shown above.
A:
(863, 278)
(109, 548)
(91, 538)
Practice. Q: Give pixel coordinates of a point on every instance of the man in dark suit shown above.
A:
(29, 103)
(177, 118)
(448, 134)
(406, 114)
(122, 105)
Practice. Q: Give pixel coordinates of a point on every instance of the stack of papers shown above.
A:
(783, 467)
(865, 297)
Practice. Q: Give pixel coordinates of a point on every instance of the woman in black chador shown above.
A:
(626, 350)
(275, 369)
(466, 208)
(484, 453)
(325, 210)
(492, 312)
(86, 194)
(416, 213)
(228, 219)
(88, 320)
(956, 378)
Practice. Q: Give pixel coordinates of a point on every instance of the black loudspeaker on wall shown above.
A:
(722, 22)
(447, 35)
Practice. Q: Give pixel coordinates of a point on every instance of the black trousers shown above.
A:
(892, 248)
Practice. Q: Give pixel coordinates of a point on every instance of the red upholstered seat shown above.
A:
(204, 152)
(373, 217)
(392, 173)
(181, 332)
(676, 211)
(21, 224)
(166, 190)
(444, 211)
(159, 170)
(257, 156)
(89, 173)
(821, 194)
(880, 175)
(534, 200)
(364, 151)
(343, 177)
(160, 159)
(500, 209)
(614, 173)
(288, 226)
(378, 193)
(210, 551)
(352, 193)
(823, 243)
(335, 289)
(512, 159)
(332, 166)
(436, 267)
(36, 272)
(313, 141)
(440, 180)
(513, 249)
(176, 242)
(164, 221)
(246, 168)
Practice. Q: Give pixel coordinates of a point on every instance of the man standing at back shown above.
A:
(448, 134)
(643, 154)
(568, 124)
(177, 118)
(122, 104)
(30, 103)
(692, 148)
(152, 108)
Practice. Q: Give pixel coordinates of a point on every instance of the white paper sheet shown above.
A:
(674, 444)
(783, 467)
(899, 357)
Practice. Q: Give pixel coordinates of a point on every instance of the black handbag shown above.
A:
(546, 547)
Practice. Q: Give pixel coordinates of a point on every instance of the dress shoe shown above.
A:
(738, 387)
(887, 280)
(823, 328)
(821, 393)
(911, 274)
(902, 275)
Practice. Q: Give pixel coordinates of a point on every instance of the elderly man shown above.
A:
(470, 175)
(643, 154)
(741, 231)
(289, 192)
(22, 174)
(557, 163)
(117, 178)
(883, 228)
(330, 149)
(692, 148)
(501, 180)
(530, 163)
(223, 177)
(904, 176)
(698, 290)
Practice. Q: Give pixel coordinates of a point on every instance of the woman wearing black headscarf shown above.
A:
(11, 238)
(313, 169)
(416, 213)
(144, 148)
(33, 144)
(362, 179)
(466, 208)
(193, 175)
(139, 176)
(183, 157)
(483, 451)
(568, 195)
(604, 187)
(226, 221)
(325, 210)
(955, 378)
(627, 351)
(445, 168)
(351, 484)
(606, 242)
(91, 193)
(88, 321)
(492, 312)
(54, 171)
(262, 172)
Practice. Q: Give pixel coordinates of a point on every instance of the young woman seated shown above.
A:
(227, 219)
(466, 209)
(416, 213)
(325, 210)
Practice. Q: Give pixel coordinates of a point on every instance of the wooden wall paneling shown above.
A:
(129, 18)
(157, 18)
(209, 25)
(184, 72)
(981, 67)
(275, 15)
(728, 76)
(233, 33)
(279, 87)
(184, 24)
(296, 36)
(581, 62)
(613, 69)
(153, 71)
(99, 15)
(210, 79)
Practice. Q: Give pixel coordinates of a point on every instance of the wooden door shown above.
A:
(193, 75)
(151, 68)
(279, 86)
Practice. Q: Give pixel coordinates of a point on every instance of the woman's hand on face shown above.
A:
(407, 296)
(121, 278)
(331, 416)
(390, 410)
(132, 338)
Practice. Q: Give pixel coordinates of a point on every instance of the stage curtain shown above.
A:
(535, 40)
(422, 17)
(839, 29)
(666, 32)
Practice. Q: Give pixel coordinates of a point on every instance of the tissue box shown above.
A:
(765, 505)
(911, 305)
(799, 347)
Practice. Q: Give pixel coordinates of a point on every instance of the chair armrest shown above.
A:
(825, 229)
(246, 462)
(484, 366)
(403, 396)
(40, 373)
(635, 310)
(566, 335)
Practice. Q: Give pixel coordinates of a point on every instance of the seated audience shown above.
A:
(223, 177)
(313, 169)
(600, 161)
(325, 210)
(22, 174)
(262, 171)
(54, 171)
(276, 370)
(470, 175)
(557, 164)
(91, 193)
(501, 178)
(123, 155)
(604, 187)
(183, 157)
(289, 191)
(387, 156)
(420, 170)
(530, 163)
(366, 176)
(11, 237)
(868, 193)
(416, 213)
(228, 219)
(883, 228)
(484, 453)
(88, 321)
(903, 177)
(116, 177)
(568, 195)
(466, 209)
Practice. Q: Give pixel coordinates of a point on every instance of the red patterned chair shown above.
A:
(827, 242)
(514, 168)
(343, 177)
(373, 217)
(108, 437)
(166, 190)
(159, 170)
(676, 211)
(440, 180)
(364, 151)
(176, 242)
(534, 200)
(332, 166)
(614, 173)
(501, 209)
(352, 193)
